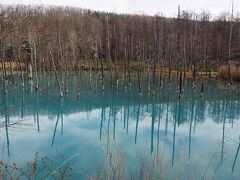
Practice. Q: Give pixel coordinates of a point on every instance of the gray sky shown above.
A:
(151, 7)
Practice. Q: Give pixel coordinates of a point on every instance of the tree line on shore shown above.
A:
(64, 38)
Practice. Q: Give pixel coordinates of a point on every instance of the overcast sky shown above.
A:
(151, 7)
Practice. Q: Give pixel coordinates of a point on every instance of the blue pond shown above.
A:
(194, 137)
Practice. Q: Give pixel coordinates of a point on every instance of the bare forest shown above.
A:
(63, 38)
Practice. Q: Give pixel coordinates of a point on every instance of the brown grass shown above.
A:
(234, 71)
(15, 66)
(11, 66)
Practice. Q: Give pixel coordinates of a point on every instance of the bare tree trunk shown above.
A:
(155, 57)
(161, 57)
(180, 85)
(102, 71)
(139, 73)
(202, 88)
(108, 43)
(61, 56)
(184, 61)
(169, 70)
(56, 76)
(35, 65)
(20, 64)
(194, 54)
(230, 47)
(129, 68)
(125, 65)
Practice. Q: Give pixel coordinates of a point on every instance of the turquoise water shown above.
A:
(194, 137)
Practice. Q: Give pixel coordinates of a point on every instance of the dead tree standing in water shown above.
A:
(194, 44)
(33, 49)
(155, 56)
(139, 71)
(178, 56)
(54, 68)
(102, 73)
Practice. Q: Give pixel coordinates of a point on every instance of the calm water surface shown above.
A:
(195, 136)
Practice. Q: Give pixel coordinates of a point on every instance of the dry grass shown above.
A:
(11, 66)
(234, 71)
(15, 66)
(39, 168)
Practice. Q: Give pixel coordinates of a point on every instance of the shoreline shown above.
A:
(13, 68)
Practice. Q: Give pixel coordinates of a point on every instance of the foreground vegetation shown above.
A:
(155, 166)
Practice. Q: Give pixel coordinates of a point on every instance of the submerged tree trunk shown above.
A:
(22, 77)
(129, 73)
(169, 70)
(56, 76)
(125, 65)
(139, 75)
